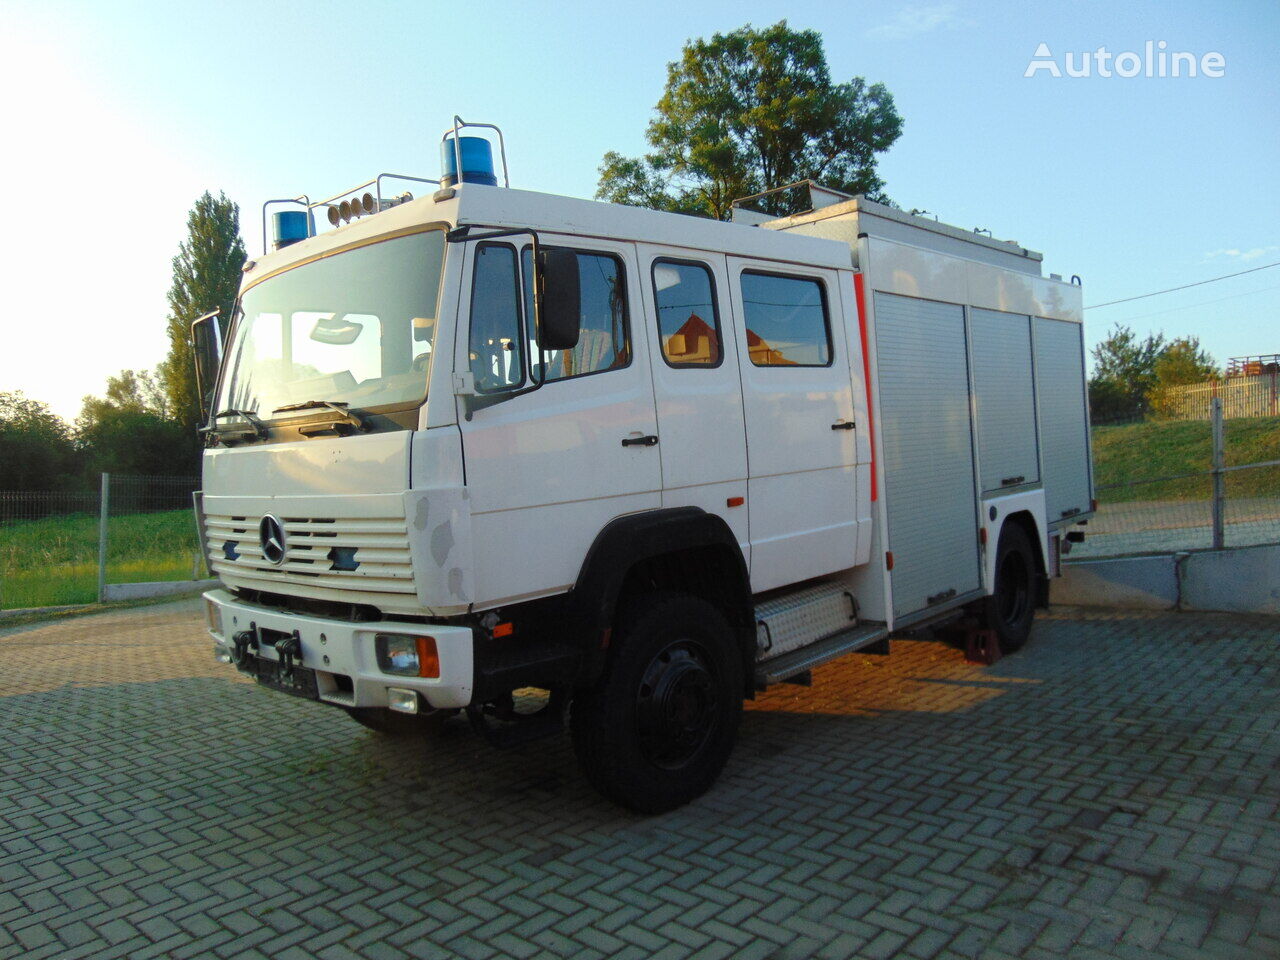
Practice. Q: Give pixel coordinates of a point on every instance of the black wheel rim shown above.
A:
(1012, 591)
(676, 704)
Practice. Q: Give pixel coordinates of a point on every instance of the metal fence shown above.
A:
(64, 547)
(1220, 498)
(38, 504)
(1257, 395)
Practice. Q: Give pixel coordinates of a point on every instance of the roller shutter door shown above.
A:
(1060, 395)
(927, 444)
(1005, 399)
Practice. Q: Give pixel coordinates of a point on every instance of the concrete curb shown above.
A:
(1237, 580)
(145, 591)
(26, 611)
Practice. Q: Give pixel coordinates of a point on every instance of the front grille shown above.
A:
(364, 560)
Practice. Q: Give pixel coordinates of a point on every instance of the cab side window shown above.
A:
(604, 337)
(496, 343)
(688, 321)
(786, 319)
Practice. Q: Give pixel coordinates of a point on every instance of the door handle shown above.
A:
(844, 425)
(648, 441)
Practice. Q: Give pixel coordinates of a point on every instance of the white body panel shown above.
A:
(547, 470)
(802, 486)
(322, 467)
(1005, 505)
(701, 430)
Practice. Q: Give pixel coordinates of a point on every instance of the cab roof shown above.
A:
(473, 203)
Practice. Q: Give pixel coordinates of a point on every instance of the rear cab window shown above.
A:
(688, 318)
(787, 321)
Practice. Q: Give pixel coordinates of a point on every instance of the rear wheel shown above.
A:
(660, 724)
(1010, 610)
(391, 723)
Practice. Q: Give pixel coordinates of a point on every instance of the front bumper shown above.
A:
(343, 655)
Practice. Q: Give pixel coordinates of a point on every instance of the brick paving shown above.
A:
(1111, 791)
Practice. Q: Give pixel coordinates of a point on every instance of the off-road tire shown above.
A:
(1010, 611)
(658, 727)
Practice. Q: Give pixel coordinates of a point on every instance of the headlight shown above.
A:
(407, 656)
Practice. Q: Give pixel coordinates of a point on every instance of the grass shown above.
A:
(1142, 451)
(54, 561)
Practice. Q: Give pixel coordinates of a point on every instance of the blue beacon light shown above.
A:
(291, 226)
(477, 162)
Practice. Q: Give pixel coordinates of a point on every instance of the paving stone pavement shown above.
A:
(1111, 791)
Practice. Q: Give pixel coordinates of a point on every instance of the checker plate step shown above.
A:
(794, 620)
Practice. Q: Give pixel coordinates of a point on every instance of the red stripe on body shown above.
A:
(860, 295)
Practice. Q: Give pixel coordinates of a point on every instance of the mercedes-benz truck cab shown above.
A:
(544, 461)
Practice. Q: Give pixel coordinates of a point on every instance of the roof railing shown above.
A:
(379, 202)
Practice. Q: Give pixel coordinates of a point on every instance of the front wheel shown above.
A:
(658, 727)
(1010, 610)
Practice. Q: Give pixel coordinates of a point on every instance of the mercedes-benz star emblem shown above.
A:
(271, 535)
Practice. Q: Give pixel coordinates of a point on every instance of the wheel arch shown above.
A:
(1026, 520)
(684, 549)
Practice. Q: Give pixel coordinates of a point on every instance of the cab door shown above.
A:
(697, 384)
(799, 417)
(547, 469)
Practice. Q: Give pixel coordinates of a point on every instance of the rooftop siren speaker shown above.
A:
(291, 226)
(369, 204)
(335, 215)
(477, 161)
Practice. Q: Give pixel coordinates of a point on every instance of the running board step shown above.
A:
(783, 668)
(794, 620)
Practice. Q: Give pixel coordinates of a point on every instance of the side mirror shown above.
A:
(206, 346)
(559, 299)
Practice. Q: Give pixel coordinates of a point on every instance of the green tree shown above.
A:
(206, 274)
(36, 449)
(1123, 374)
(129, 430)
(130, 440)
(136, 390)
(749, 111)
(1182, 362)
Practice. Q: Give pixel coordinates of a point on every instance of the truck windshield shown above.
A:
(354, 328)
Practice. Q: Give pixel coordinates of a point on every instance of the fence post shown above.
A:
(1219, 476)
(103, 512)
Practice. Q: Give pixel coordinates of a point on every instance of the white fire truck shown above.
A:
(487, 442)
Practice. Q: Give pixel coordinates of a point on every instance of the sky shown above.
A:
(118, 115)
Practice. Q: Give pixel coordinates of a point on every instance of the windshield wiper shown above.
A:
(255, 421)
(340, 407)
